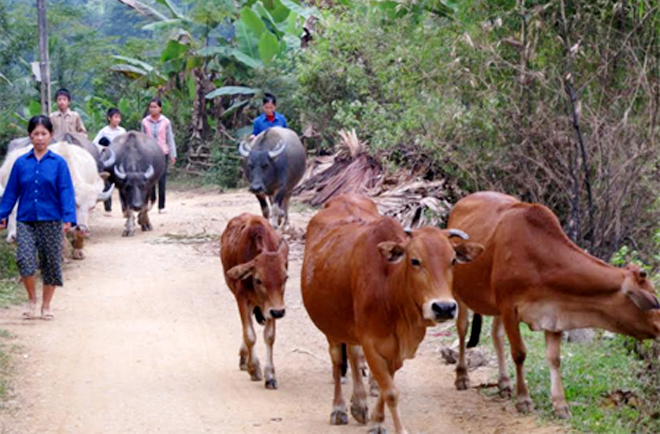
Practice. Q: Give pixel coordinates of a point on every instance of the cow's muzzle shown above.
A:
(442, 310)
(256, 189)
(277, 313)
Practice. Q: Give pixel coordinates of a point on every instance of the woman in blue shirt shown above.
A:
(269, 118)
(41, 183)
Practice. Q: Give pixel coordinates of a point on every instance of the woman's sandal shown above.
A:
(30, 310)
(46, 315)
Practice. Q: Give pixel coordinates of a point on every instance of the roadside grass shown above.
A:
(608, 386)
(10, 294)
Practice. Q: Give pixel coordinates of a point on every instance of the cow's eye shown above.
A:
(264, 166)
(454, 261)
(250, 166)
(257, 281)
(415, 262)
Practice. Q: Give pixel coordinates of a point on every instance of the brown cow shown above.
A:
(255, 260)
(366, 282)
(531, 272)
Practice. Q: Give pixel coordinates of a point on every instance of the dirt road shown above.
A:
(146, 336)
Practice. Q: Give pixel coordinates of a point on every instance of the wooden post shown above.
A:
(44, 64)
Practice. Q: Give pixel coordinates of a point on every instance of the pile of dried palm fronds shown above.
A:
(350, 170)
(415, 203)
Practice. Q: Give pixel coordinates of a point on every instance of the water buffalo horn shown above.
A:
(119, 172)
(458, 233)
(281, 146)
(244, 149)
(110, 161)
(105, 195)
(150, 172)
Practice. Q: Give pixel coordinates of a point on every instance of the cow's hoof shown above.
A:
(360, 412)
(146, 228)
(127, 233)
(377, 430)
(462, 383)
(525, 406)
(338, 417)
(271, 384)
(505, 391)
(256, 375)
(242, 363)
(78, 254)
(562, 411)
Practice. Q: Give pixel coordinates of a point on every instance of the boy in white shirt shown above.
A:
(111, 130)
(104, 138)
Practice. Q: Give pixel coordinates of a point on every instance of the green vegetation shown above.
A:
(10, 294)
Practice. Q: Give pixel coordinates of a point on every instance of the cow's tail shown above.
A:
(477, 322)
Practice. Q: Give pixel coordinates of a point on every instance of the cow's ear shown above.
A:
(467, 252)
(283, 249)
(392, 251)
(104, 175)
(242, 271)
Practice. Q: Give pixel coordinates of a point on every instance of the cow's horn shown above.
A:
(281, 146)
(150, 172)
(244, 149)
(119, 172)
(110, 161)
(105, 195)
(458, 233)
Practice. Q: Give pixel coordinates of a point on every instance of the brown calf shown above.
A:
(366, 282)
(255, 260)
(531, 272)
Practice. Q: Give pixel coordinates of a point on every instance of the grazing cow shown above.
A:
(255, 261)
(531, 272)
(87, 183)
(138, 164)
(368, 283)
(274, 163)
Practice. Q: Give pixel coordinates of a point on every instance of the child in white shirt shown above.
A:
(111, 130)
(104, 138)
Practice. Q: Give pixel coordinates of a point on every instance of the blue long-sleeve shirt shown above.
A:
(43, 189)
(261, 123)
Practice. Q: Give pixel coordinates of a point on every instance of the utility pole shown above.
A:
(44, 64)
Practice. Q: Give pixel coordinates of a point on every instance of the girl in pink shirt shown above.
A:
(159, 127)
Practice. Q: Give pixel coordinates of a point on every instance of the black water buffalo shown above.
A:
(138, 165)
(274, 163)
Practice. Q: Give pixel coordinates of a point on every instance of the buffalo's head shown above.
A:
(260, 168)
(135, 185)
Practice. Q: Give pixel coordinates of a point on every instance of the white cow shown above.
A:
(87, 183)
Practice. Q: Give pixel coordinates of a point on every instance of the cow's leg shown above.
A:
(504, 383)
(384, 374)
(249, 339)
(130, 223)
(269, 369)
(378, 417)
(518, 353)
(553, 355)
(359, 408)
(285, 211)
(462, 379)
(265, 209)
(339, 416)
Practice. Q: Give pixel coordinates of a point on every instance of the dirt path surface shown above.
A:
(146, 337)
